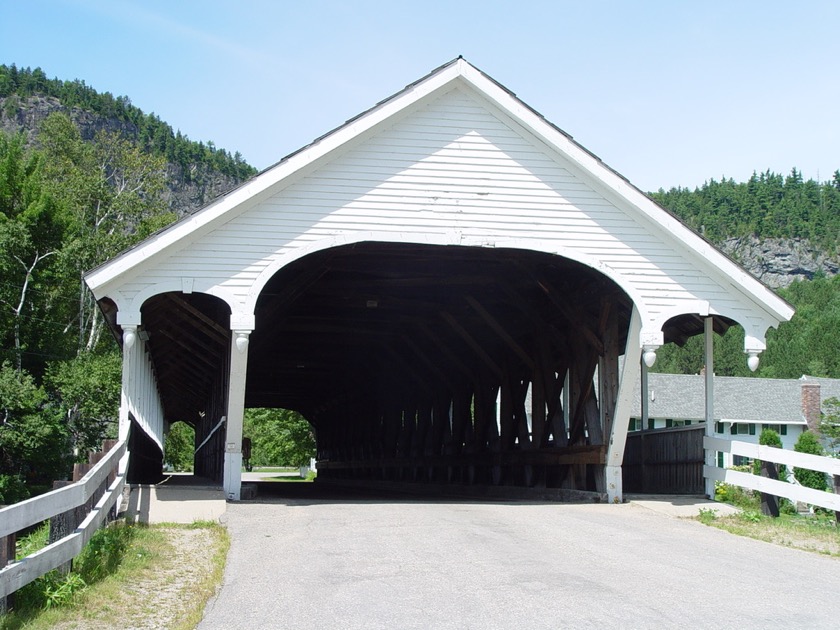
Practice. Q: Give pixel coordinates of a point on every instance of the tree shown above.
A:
(769, 437)
(808, 442)
(830, 423)
(112, 193)
(279, 437)
(33, 442)
(179, 447)
(32, 229)
(85, 392)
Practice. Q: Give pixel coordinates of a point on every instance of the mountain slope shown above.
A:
(197, 172)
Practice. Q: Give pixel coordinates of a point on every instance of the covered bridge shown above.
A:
(404, 282)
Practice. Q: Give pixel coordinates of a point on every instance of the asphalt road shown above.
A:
(333, 561)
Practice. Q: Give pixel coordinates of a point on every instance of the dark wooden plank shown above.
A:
(472, 343)
(500, 331)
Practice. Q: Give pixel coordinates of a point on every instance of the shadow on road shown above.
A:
(310, 493)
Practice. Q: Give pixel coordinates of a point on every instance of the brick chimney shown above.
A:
(811, 404)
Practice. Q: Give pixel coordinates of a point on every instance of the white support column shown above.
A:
(128, 378)
(623, 408)
(645, 397)
(236, 413)
(708, 338)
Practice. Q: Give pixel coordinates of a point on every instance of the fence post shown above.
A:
(7, 556)
(769, 502)
(837, 491)
(107, 445)
(62, 525)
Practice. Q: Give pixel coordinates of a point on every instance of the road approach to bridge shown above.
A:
(321, 559)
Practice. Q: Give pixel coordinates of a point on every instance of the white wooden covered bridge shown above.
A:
(403, 282)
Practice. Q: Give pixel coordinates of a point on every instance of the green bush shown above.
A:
(770, 438)
(179, 447)
(104, 553)
(809, 443)
(60, 592)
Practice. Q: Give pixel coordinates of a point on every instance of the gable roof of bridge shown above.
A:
(110, 278)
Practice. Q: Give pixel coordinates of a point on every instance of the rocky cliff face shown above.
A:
(185, 194)
(779, 262)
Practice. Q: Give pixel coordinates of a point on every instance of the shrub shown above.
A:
(809, 443)
(770, 438)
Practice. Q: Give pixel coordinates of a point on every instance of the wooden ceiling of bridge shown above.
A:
(188, 339)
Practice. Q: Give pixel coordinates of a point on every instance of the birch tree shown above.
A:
(114, 196)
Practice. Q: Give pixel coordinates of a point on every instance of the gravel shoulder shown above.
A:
(165, 595)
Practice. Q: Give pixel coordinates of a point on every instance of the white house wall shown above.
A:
(453, 171)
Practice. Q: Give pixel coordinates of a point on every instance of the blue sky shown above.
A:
(667, 93)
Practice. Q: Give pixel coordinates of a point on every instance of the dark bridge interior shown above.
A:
(380, 324)
(415, 362)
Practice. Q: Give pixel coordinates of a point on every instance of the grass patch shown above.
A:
(127, 575)
(818, 533)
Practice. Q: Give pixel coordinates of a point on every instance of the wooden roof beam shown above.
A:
(472, 343)
(222, 334)
(500, 331)
(444, 349)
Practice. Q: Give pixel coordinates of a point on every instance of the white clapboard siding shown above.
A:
(455, 165)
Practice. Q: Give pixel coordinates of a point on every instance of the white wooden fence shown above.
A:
(790, 491)
(19, 516)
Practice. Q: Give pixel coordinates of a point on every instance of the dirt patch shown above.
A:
(155, 600)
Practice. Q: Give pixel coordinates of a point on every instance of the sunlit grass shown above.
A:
(819, 533)
(149, 560)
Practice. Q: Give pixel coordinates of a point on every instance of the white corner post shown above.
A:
(128, 323)
(623, 408)
(235, 412)
(708, 338)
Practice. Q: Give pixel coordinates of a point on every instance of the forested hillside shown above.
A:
(795, 214)
(768, 205)
(82, 176)
(195, 172)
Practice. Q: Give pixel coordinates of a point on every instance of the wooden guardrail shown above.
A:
(766, 485)
(109, 472)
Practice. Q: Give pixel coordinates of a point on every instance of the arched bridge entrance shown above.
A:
(432, 363)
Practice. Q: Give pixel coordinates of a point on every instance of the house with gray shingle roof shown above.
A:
(743, 406)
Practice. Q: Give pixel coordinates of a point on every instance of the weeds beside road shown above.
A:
(818, 533)
(151, 577)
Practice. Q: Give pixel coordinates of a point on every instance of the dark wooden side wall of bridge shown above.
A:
(449, 434)
(209, 460)
(665, 461)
